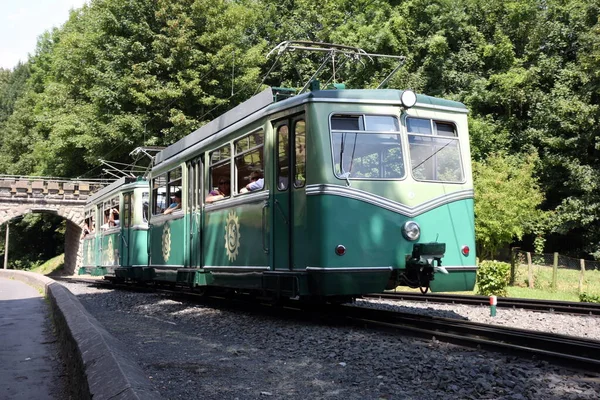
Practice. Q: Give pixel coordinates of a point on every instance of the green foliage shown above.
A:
(507, 198)
(493, 278)
(55, 265)
(24, 253)
(589, 298)
(12, 85)
(118, 75)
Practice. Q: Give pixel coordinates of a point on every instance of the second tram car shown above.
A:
(326, 194)
(116, 228)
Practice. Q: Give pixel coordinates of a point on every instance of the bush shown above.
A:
(493, 278)
(589, 298)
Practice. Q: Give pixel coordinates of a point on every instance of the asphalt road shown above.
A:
(30, 363)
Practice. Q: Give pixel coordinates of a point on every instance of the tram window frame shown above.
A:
(282, 163)
(174, 185)
(220, 160)
(300, 156)
(170, 182)
(432, 134)
(369, 124)
(90, 220)
(244, 170)
(145, 206)
(159, 197)
(107, 207)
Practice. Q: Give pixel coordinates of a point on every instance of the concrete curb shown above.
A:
(98, 365)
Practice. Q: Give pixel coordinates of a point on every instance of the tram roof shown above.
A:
(125, 180)
(266, 98)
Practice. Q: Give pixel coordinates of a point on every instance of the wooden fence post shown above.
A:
(513, 263)
(529, 270)
(554, 270)
(581, 273)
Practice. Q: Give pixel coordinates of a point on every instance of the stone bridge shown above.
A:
(23, 195)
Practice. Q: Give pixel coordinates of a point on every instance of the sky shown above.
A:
(23, 21)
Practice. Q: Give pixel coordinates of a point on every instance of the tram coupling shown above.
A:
(422, 264)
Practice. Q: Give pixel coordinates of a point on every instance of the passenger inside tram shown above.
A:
(222, 191)
(257, 182)
(176, 204)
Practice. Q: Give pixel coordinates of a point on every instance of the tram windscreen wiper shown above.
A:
(344, 174)
(342, 153)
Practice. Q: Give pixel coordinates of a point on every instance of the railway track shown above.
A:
(566, 307)
(576, 352)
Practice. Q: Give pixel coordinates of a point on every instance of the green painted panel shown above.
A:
(373, 235)
(453, 282)
(110, 249)
(138, 247)
(168, 242)
(234, 236)
(195, 239)
(89, 251)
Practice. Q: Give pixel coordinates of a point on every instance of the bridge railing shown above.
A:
(48, 187)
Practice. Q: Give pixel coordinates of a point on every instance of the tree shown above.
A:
(507, 200)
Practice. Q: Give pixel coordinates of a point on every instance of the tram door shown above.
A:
(289, 197)
(194, 200)
(126, 230)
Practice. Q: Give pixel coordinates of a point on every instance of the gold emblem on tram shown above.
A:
(166, 242)
(232, 236)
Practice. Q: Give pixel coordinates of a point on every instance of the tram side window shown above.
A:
(174, 190)
(220, 174)
(283, 172)
(159, 194)
(111, 213)
(249, 162)
(300, 146)
(145, 205)
(367, 147)
(89, 223)
(434, 150)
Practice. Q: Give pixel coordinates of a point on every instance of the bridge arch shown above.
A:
(24, 195)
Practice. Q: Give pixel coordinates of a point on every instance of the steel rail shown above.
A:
(575, 351)
(566, 307)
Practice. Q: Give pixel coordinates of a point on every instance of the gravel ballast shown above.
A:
(193, 351)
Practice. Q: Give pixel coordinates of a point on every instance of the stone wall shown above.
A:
(20, 196)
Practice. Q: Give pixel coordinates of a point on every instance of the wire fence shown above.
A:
(554, 271)
(547, 259)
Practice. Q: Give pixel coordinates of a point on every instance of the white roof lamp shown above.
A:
(408, 98)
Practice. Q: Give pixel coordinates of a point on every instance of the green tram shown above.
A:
(116, 227)
(327, 194)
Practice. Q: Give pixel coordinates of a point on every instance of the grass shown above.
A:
(52, 266)
(567, 284)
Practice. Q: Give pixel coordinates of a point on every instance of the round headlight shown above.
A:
(411, 230)
(408, 98)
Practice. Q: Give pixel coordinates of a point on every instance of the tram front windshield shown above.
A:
(370, 147)
(367, 147)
